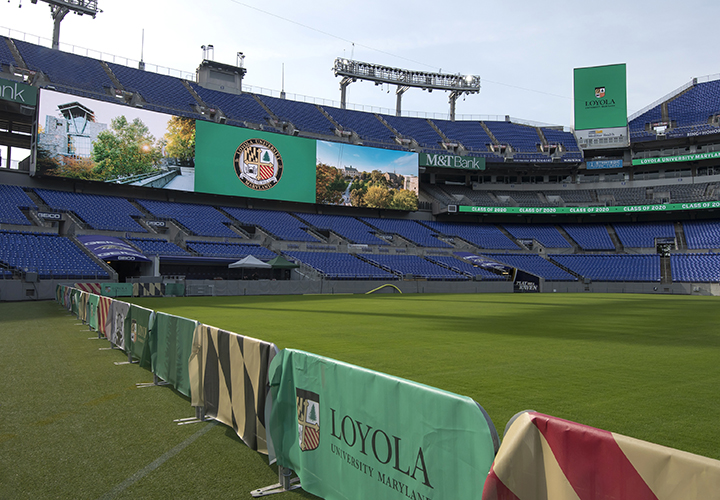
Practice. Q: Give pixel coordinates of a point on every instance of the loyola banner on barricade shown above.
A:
(229, 378)
(545, 457)
(171, 344)
(352, 433)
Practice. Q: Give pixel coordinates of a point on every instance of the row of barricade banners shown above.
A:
(353, 433)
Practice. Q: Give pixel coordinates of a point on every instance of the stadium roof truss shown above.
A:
(404, 79)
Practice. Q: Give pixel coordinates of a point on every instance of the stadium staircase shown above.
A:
(665, 270)
(680, 236)
(489, 133)
(615, 239)
(16, 54)
(575, 246)
(580, 277)
(119, 86)
(511, 237)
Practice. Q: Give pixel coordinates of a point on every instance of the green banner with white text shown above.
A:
(674, 159)
(352, 433)
(451, 161)
(665, 207)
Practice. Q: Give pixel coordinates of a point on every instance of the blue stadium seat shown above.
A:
(349, 228)
(66, 69)
(233, 250)
(643, 235)
(533, 264)
(340, 266)
(109, 213)
(49, 255)
(411, 230)
(6, 56)
(613, 267)
(416, 266)
(590, 236)
(695, 267)
(481, 235)
(464, 267)
(12, 199)
(304, 116)
(546, 234)
(280, 225)
(154, 246)
(202, 220)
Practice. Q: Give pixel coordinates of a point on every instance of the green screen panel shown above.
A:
(242, 162)
(600, 97)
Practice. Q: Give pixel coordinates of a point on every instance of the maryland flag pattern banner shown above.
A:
(103, 313)
(82, 306)
(353, 433)
(547, 458)
(171, 347)
(229, 378)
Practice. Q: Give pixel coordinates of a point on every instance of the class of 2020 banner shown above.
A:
(353, 433)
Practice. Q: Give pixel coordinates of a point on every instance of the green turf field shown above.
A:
(73, 425)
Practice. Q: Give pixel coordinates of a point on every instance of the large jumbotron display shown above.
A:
(93, 140)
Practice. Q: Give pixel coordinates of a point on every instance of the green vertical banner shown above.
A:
(75, 302)
(138, 323)
(352, 433)
(243, 162)
(171, 342)
(92, 310)
(59, 291)
(600, 94)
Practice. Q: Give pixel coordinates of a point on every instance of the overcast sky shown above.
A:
(524, 51)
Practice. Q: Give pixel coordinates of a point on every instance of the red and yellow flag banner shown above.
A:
(544, 457)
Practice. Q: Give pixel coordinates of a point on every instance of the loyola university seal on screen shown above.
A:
(308, 412)
(258, 164)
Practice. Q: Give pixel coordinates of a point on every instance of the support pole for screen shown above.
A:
(286, 483)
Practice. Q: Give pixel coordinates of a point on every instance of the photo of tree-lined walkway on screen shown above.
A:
(361, 176)
(94, 140)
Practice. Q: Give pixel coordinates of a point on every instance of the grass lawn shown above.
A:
(74, 425)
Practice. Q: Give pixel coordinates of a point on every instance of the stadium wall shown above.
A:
(16, 290)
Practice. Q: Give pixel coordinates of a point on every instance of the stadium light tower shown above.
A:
(60, 8)
(404, 79)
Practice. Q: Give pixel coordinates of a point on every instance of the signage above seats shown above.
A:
(451, 161)
(111, 248)
(20, 93)
(665, 207)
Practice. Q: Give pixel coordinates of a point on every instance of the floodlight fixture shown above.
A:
(457, 85)
(60, 8)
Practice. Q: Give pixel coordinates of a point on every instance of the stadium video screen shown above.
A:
(242, 162)
(86, 139)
